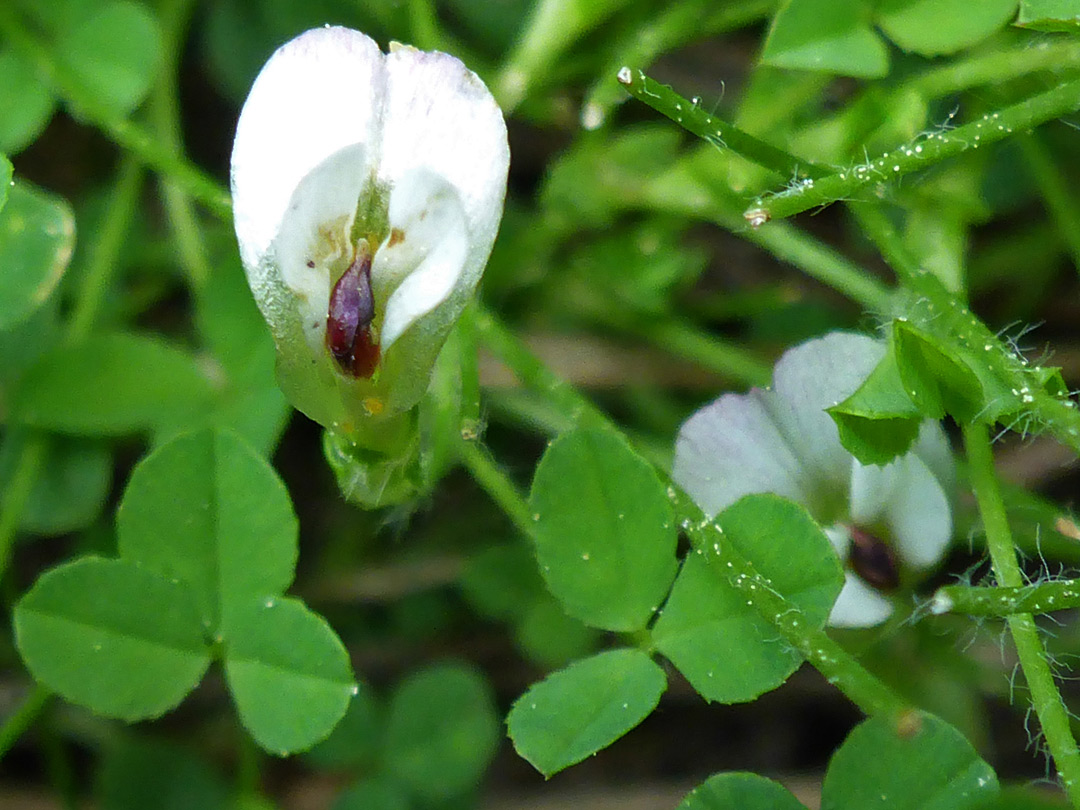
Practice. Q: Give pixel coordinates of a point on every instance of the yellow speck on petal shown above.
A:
(373, 405)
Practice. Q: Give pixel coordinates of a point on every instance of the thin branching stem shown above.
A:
(915, 156)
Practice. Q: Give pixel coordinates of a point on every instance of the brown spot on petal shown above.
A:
(397, 236)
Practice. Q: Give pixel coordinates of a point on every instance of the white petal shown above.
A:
(918, 514)
(840, 537)
(441, 118)
(423, 259)
(319, 93)
(859, 605)
(871, 489)
(318, 217)
(732, 448)
(812, 377)
(933, 448)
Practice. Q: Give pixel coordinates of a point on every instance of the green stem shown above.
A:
(838, 667)
(497, 484)
(880, 230)
(30, 458)
(1042, 597)
(66, 84)
(670, 27)
(533, 374)
(165, 113)
(1060, 201)
(1045, 698)
(469, 369)
(715, 130)
(916, 155)
(821, 262)
(690, 188)
(995, 67)
(687, 341)
(105, 248)
(23, 717)
(552, 27)
(423, 25)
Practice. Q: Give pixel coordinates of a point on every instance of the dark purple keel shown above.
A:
(348, 321)
(873, 560)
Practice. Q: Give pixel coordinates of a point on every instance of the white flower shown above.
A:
(367, 191)
(883, 521)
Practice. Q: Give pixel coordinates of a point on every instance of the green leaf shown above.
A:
(745, 791)
(442, 731)
(111, 636)
(251, 402)
(207, 509)
(116, 52)
(935, 27)
(1049, 15)
(22, 346)
(354, 742)
(26, 105)
(139, 773)
(879, 421)
(501, 581)
(937, 381)
(37, 237)
(577, 711)
(551, 638)
(112, 384)
(604, 534)
(875, 765)
(70, 489)
(373, 793)
(723, 646)
(828, 35)
(288, 673)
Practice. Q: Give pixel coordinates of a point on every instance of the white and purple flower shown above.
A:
(886, 523)
(367, 191)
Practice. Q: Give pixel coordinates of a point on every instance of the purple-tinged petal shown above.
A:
(810, 378)
(733, 448)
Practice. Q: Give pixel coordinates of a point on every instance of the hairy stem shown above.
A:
(1045, 698)
(713, 129)
(1042, 597)
(916, 155)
